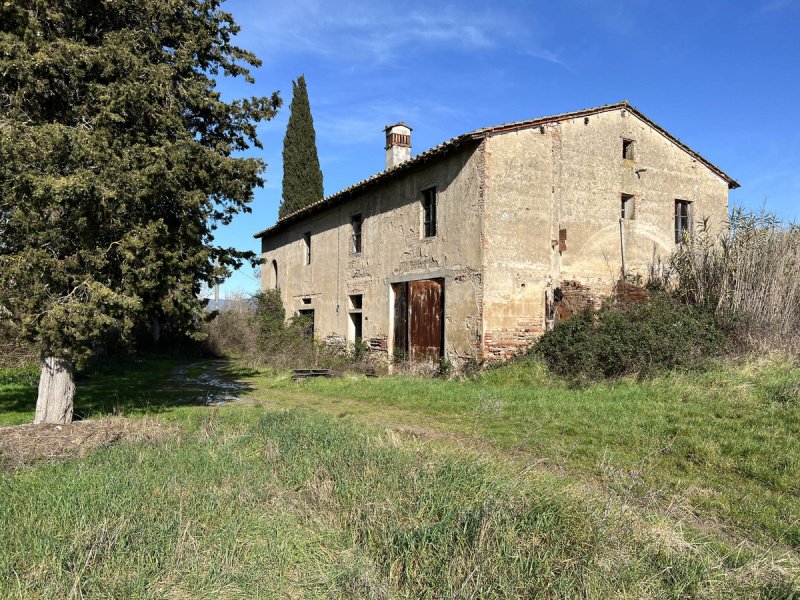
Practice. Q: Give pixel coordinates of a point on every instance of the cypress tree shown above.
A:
(302, 177)
(119, 160)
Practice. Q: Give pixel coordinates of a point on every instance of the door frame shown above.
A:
(447, 277)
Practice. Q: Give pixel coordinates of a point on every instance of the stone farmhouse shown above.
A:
(473, 248)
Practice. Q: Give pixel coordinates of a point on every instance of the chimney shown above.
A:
(398, 144)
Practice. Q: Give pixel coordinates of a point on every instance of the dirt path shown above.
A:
(207, 382)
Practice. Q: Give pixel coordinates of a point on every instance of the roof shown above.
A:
(480, 134)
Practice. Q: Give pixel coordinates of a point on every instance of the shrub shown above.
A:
(233, 331)
(256, 330)
(619, 340)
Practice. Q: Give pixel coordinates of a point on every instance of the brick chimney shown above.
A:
(398, 144)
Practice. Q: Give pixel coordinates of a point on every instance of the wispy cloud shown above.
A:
(344, 127)
(375, 33)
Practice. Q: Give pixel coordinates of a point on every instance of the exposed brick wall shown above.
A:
(575, 298)
(378, 344)
(502, 344)
(627, 293)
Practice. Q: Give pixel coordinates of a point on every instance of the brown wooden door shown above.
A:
(426, 319)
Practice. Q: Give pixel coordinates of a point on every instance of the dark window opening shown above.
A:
(356, 321)
(429, 212)
(356, 301)
(308, 322)
(307, 240)
(626, 206)
(355, 222)
(306, 300)
(682, 219)
(275, 283)
(627, 149)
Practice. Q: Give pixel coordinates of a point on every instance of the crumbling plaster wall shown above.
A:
(570, 176)
(393, 250)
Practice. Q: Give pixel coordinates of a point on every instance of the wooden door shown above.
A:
(426, 319)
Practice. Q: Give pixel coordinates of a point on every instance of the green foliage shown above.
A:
(661, 334)
(27, 375)
(360, 350)
(302, 176)
(118, 165)
(270, 314)
(445, 368)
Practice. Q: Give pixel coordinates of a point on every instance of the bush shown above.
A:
(619, 340)
(256, 330)
(232, 332)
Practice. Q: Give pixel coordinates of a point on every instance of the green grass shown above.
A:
(721, 445)
(249, 503)
(132, 386)
(503, 486)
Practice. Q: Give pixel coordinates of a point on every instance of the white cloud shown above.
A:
(375, 33)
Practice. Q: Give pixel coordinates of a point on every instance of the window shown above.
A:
(627, 149)
(355, 222)
(356, 304)
(682, 219)
(306, 300)
(307, 240)
(626, 206)
(275, 283)
(356, 301)
(429, 212)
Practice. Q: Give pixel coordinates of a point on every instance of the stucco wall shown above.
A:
(393, 250)
(570, 176)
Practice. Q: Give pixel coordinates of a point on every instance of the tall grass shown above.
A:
(295, 504)
(749, 275)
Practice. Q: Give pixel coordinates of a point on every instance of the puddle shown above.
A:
(210, 386)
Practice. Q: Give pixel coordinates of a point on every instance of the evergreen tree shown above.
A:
(302, 177)
(118, 165)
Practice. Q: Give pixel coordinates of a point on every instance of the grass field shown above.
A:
(507, 485)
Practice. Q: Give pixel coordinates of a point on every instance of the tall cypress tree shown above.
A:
(302, 177)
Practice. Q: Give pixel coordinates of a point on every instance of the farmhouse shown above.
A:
(473, 248)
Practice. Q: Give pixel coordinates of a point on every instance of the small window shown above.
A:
(683, 210)
(626, 206)
(275, 283)
(306, 300)
(429, 212)
(355, 222)
(627, 149)
(356, 301)
(307, 240)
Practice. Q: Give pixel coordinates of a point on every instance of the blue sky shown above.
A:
(724, 77)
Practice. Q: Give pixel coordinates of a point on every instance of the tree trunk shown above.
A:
(56, 391)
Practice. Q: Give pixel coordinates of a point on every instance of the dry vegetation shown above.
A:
(749, 276)
(255, 331)
(25, 445)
